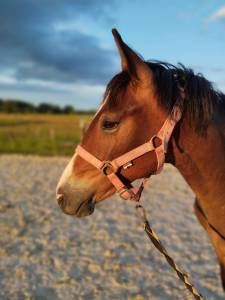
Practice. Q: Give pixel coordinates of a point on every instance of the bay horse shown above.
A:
(137, 104)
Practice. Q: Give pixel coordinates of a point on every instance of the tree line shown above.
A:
(17, 106)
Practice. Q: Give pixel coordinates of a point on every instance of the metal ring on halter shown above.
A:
(126, 190)
(152, 141)
(122, 191)
(107, 165)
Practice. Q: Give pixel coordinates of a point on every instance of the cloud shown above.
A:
(34, 47)
(218, 15)
(82, 96)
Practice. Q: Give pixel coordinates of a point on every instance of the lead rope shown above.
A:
(157, 243)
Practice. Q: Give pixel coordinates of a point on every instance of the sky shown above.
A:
(63, 52)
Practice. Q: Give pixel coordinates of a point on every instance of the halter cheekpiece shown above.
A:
(125, 161)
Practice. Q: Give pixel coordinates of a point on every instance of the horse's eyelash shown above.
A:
(107, 124)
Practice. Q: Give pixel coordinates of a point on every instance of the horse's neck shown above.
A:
(201, 161)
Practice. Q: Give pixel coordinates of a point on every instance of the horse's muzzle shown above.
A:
(76, 208)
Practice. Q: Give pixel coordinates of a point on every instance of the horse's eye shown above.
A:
(109, 125)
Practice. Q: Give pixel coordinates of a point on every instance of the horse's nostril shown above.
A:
(61, 201)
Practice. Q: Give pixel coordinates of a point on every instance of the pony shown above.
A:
(136, 103)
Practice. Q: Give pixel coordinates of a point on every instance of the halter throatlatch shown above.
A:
(125, 161)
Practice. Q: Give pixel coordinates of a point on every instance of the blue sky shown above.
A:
(65, 54)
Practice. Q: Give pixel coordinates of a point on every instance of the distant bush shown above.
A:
(68, 109)
(17, 106)
(13, 106)
(47, 108)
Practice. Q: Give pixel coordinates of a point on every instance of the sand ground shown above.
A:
(45, 254)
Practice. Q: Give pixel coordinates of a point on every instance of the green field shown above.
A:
(41, 134)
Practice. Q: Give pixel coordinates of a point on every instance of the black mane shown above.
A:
(200, 98)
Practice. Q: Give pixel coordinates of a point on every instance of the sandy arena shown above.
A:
(45, 254)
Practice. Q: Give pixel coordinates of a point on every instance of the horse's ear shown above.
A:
(131, 62)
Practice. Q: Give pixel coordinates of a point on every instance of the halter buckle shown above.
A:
(132, 195)
(107, 167)
(176, 114)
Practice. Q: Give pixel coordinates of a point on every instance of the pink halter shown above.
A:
(110, 168)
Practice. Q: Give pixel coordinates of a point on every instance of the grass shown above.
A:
(41, 134)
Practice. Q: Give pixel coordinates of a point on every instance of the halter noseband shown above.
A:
(125, 161)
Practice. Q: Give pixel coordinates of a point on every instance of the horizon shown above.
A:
(67, 56)
(15, 102)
